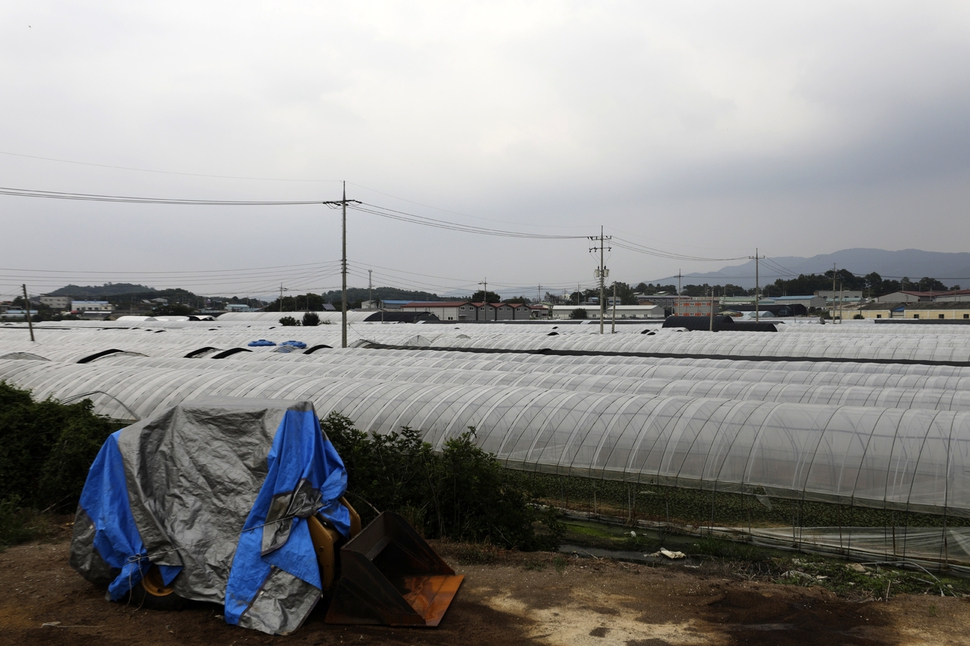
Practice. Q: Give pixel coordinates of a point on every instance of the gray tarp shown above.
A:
(215, 493)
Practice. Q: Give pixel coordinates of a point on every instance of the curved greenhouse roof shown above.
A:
(724, 383)
(901, 458)
(274, 317)
(864, 344)
(877, 416)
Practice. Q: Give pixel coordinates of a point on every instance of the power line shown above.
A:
(778, 268)
(173, 273)
(412, 218)
(649, 251)
(125, 199)
(466, 215)
(372, 209)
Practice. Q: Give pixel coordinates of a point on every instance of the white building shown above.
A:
(561, 312)
(444, 310)
(56, 302)
(15, 314)
(240, 307)
(92, 306)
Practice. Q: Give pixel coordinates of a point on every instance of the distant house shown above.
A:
(240, 307)
(696, 306)
(14, 314)
(655, 312)
(539, 311)
(443, 310)
(468, 311)
(925, 297)
(682, 305)
(400, 316)
(92, 306)
(56, 302)
(814, 301)
(842, 295)
(942, 310)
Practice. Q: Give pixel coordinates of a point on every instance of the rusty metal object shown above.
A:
(391, 576)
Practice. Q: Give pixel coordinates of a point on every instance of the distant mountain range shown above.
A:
(949, 268)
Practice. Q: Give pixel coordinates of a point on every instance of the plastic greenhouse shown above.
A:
(853, 439)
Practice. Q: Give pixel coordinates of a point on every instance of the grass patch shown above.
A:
(15, 523)
(560, 563)
(477, 553)
(610, 537)
(20, 524)
(534, 565)
(866, 581)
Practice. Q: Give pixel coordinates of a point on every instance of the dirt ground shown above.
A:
(519, 599)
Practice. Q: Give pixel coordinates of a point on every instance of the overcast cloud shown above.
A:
(701, 129)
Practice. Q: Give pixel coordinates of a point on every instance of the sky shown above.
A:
(693, 133)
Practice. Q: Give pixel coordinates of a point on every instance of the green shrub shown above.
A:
(46, 449)
(462, 493)
(311, 319)
(289, 321)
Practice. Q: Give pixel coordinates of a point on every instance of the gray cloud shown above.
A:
(703, 129)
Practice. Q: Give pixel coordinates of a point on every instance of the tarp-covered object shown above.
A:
(216, 494)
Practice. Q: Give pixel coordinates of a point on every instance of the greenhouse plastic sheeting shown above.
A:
(831, 388)
(803, 342)
(900, 458)
(922, 544)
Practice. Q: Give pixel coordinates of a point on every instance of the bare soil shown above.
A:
(516, 599)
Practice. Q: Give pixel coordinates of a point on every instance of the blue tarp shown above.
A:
(299, 454)
(217, 495)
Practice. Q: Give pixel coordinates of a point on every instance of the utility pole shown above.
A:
(712, 309)
(834, 272)
(484, 285)
(677, 302)
(841, 299)
(613, 327)
(281, 296)
(601, 272)
(343, 272)
(370, 286)
(757, 284)
(343, 257)
(30, 324)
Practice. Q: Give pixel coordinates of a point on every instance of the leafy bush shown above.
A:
(289, 321)
(46, 449)
(579, 313)
(462, 493)
(311, 319)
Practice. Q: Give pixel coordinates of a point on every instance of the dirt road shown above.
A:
(519, 599)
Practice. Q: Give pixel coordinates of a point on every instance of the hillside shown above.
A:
(950, 268)
(101, 292)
